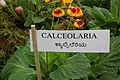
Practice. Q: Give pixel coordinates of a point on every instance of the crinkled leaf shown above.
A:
(22, 60)
(93, 57)
(23, 74)
(109, 62)
(75, 67)
(108, 76)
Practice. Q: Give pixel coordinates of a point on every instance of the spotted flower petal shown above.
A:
(74, 12)
(71, 11)
(58, 12)
(78, 23)
(79, 12)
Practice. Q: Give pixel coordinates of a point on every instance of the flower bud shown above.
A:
(2, 3)
(19, 9)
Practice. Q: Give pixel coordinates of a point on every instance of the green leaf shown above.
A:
(75, 67)
(88, 10)
(74, 4)
(93, 57)
(109, 62)
(114, 8)
(22, 59)
(117, 19)
(93, 25)
(118, 77)
(38, 19)
(97, 14)
(29, 19)
(106, 13)
(108, 76)
(23, 74)
(51, 59)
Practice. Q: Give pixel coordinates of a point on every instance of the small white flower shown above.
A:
(2, 3)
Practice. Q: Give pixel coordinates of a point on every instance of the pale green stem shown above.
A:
(52, 22)
(69, 23)
(47, 72)
(57, 21)
(63, 19)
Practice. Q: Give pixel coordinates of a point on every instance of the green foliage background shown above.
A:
(65, 66)
(99, 15)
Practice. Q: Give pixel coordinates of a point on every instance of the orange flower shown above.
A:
(74, 12)
(58, 12)
(78, 23)
(47, 1)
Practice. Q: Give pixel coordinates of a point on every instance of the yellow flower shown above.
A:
(47, 1)
(78, 23)
(58, 12)
(64, 2)
(74, 12)
(71, 11)
(68, 1)
(79, 12)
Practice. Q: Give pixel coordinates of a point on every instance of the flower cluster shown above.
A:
(68, 16)
(71, 11)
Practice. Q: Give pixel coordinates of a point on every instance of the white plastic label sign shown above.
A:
(72, 40)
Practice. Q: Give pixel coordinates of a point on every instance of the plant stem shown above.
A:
(52, 22)
(47, 71)
(37, 5)
(32, 5)
(69, 23)
(57, 20)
